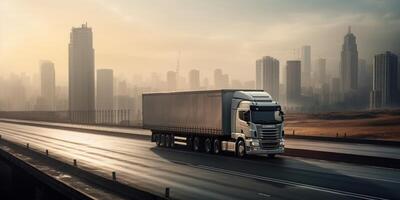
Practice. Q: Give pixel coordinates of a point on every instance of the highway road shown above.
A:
(326, 146)
(190, 175)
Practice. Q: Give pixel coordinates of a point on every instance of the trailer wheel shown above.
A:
(158, 139)
(217, 146)
(167, 140)
(162, 140)
(196, 144)
(208, 145)
(240, 149)
(172, 139)
(189, 142)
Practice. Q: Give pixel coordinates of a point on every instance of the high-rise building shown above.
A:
(320, 72)
(364, 75)
(306, 66)
(293, 81)
(225, 81)
(335, 94)
(47, 85)
(81, 71)
(259, 74)
(194, 79)
(218, 76)
(349, 63)
(105, 89)
(269, 78)
(221, 81)
(171, 81)
(385, 77)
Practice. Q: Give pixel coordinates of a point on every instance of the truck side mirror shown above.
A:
(246, 116)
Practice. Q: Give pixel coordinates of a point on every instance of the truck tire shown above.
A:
(208, 145)
(189, 142)
(172, 144)
(196, 144)
(167, 140)
(162, 140)
(216, 146)
(158, 139)
(240, 149)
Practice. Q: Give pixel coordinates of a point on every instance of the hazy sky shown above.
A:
(140, 37)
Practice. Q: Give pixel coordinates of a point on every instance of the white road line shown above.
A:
(291, 183)
(264, 195)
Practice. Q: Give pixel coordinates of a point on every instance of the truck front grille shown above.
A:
(269, 138)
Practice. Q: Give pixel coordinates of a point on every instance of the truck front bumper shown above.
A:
(253, 147)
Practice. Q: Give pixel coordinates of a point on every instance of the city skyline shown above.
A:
(138, 52)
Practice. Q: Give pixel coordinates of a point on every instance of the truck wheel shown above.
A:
(217, 146)
(271, 155)
(240, 149)
(172, 139)
(196, 144)
(158, 139)
(167, 140)
(189, 142)
(162, 140)
(207, 145)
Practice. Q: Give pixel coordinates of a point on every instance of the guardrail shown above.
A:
(95, 117)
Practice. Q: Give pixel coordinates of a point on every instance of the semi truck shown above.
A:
(241, 121)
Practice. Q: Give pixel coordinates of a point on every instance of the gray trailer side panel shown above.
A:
(188, 112)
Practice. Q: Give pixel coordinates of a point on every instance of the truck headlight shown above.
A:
(282, 143)
(255, 143)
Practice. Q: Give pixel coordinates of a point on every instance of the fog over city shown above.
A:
(144, 41)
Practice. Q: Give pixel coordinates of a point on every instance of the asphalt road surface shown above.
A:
(190, 175)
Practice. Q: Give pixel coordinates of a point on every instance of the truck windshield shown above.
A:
(266, 117)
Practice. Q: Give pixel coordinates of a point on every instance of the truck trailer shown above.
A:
(241, 121)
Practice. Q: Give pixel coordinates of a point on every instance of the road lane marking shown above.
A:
(291, 183)
(263, 194)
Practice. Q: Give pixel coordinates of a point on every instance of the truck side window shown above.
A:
(241, 115)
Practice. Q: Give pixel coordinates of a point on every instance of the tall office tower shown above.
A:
(105, 89)
(306, 66)
(364, 75)
(47, 85)
(259, 74)
(349, 63)
(385, 76)
(225, 81)
(218, 76)
(194, 79)
(320, 72)
(171, 80)
(269, 68)
(335, 94)
(293, 81)
(81, 71)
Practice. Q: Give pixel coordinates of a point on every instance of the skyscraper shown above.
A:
(364, 75)
(105, 89)
(81, 71)
(269, 78)
(194, 79)
(385, 77)
(218, 78)
(306, 66)
(47, 85)
(349, 63)
(293, 81)
(259, 74)
(320, 72)
(171, 81)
